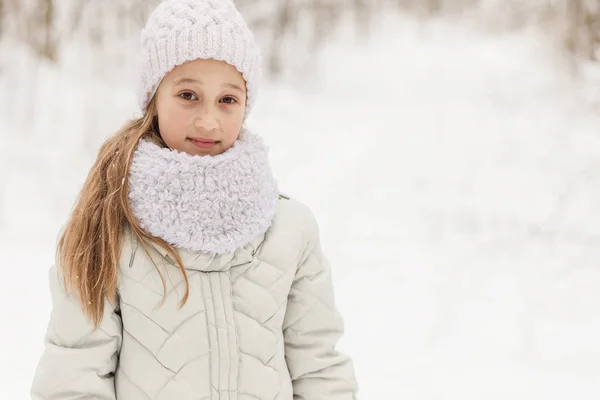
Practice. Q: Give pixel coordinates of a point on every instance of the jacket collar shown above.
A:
(210, 262)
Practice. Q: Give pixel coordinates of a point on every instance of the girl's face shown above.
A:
(200, 106)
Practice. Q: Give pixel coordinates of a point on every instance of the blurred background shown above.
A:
(450, 150)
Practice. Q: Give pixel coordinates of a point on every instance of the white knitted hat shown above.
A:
(186, 30)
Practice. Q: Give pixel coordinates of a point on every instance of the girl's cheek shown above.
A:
(181, 117)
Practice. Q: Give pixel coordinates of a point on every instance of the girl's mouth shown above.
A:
(204, 143)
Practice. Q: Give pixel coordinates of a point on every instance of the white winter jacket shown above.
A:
(260, 323)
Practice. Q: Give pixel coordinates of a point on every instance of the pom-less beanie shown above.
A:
(185, 30)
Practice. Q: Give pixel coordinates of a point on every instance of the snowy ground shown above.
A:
(456, 179)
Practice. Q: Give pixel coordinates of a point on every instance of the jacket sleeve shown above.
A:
(79, 361)
(312, 328)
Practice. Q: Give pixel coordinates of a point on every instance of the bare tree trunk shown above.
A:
(77, 14)
(325, 16)
(2, 15)
(11, 10)
(583, 33)
(574, 16)
(364, 15)
(48, 48)
(34, 26)
(282, 23)
(434, 6)
(591, 28)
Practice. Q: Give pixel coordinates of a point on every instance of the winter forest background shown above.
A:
(449, 148)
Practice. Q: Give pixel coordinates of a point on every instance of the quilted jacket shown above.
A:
(260, 324)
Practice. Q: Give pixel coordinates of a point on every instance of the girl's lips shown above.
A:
(204, 143)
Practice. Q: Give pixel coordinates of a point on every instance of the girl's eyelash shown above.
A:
(183, 93)
(180, 95)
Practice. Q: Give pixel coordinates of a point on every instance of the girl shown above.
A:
(182, 273)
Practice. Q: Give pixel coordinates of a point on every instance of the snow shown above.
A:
(455, 179)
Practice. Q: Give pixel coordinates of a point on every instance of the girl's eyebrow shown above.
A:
(191, 80)
(236, 87)
(186, 80)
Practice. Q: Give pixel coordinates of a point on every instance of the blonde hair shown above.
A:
(89, 248)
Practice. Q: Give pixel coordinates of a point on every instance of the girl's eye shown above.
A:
(229, 100)
(189, 96)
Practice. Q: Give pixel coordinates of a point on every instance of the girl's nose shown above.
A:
(206, 122)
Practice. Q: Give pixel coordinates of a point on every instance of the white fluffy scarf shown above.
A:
(213, 204)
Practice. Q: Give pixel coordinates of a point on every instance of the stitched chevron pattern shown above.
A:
(226, 341)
